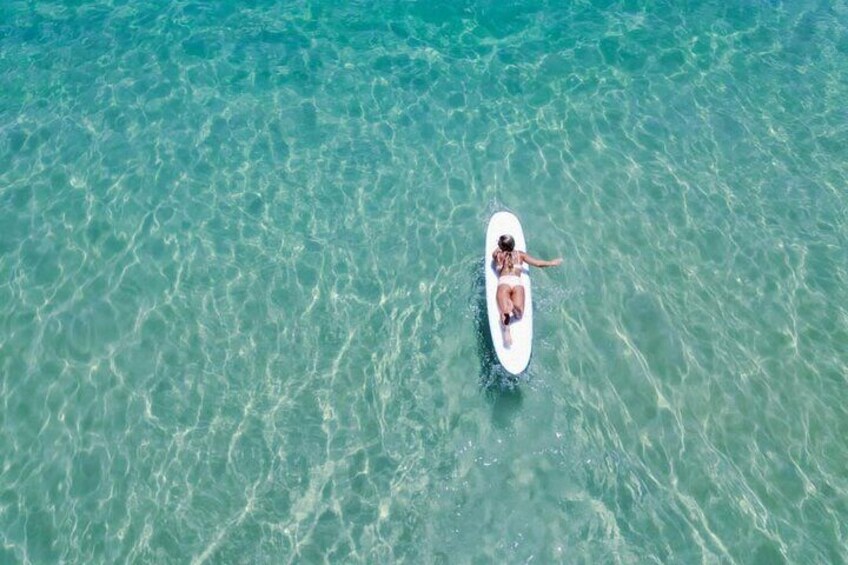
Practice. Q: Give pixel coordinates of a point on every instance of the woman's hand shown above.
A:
(555, 262)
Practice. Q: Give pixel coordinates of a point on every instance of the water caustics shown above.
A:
(240, 283)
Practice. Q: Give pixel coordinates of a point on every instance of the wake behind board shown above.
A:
(516, 357)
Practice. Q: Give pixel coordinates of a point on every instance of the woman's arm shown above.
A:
(540, 262)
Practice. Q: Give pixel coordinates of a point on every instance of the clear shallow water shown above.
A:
(240, 302)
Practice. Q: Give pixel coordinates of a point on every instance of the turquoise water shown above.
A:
(241, 312)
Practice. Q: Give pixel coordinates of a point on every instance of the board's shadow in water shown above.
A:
(499, 386)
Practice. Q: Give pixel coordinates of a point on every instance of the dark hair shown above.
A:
(506, 243)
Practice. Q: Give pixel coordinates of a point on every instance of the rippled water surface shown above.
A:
(241, 310)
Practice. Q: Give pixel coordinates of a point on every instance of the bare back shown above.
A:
(508, 262)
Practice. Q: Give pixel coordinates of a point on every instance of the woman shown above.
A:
(510, 294)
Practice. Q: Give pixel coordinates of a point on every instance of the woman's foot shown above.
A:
(506, 318)
(507, 336)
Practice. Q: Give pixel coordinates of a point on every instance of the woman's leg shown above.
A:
(504, 303)
(506, 310)
(516, 296)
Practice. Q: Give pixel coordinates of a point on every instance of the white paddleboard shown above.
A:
(516, 357)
